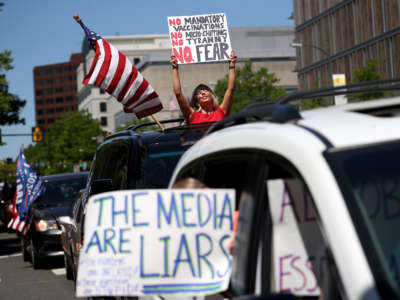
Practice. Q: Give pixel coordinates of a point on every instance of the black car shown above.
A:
(43, 236)
(6, 204)
(129, 160)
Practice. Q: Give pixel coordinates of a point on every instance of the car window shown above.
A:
(111, 162)
(370, 180)
(301, 263)
(61, 192)
(238, 170)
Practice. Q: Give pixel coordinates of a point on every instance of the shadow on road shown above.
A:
(9, 244)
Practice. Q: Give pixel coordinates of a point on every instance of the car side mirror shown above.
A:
(65, 220)
(101, 186)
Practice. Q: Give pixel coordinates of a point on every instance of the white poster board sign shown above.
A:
(157, 242)
(200, 38)
(293, 263)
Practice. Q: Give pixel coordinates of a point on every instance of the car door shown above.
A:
(269, 191)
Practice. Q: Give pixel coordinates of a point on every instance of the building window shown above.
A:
(40, 112)
(103, 107)
(40, 122)
(103, 121)
(60, 109)
(59, 100)
(49, 101)
(69, 98)
(39, 92)
(49, 71)
(50, 121)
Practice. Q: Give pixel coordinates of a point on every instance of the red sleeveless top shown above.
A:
(198, 117)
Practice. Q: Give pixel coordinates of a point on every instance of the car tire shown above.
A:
(25, 253)
(69, 273)
(35, 259)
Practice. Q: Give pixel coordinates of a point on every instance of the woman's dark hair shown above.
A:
(200, 87)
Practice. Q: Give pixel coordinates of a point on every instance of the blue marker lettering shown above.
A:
(123, 241)
(134, 196)
(200, 197)
(94, 241)
(109, 235)
(165, 240)
(162, 212)
(203, 256)
(183, 246)
(184, 198)
(142, 274)
(124, 211)
(101, 200)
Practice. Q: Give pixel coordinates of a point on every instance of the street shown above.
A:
(18, 280)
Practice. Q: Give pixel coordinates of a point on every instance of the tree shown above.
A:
(138, 122)
(251, 87)
(364, 74)
(71, 139)
(10, 104)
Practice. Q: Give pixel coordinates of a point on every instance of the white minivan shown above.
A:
(318, 195)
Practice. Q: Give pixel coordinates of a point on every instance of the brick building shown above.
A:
(339, 37)
(55, 90)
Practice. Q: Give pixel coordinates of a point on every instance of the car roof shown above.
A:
(183, 133)
(62, 176)
(355, 124)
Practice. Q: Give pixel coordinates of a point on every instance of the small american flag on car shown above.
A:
(29, 187)
(113, 72)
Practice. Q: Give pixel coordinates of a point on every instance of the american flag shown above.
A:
(29, 187)
(113, 72)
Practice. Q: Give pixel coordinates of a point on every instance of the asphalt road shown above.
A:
(18, 280)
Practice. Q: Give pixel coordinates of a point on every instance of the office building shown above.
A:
(55, 90)
(339, 37)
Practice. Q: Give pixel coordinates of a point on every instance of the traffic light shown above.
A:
(37, 135)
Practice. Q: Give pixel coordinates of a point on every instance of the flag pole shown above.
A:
(78, 20)
(158, 122)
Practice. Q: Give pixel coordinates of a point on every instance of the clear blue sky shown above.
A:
(41, 32)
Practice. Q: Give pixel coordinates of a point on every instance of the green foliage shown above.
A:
(137, 122)
(251, 87)
(10, 105)
(8, 172)
(368, 73)
(71, 139)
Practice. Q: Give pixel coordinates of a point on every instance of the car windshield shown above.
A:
(60, 192)
(369, 178)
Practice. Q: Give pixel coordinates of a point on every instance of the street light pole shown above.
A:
(327, 54)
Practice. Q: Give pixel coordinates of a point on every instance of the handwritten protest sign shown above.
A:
(296, 267)
(201, 38)
(157, 242)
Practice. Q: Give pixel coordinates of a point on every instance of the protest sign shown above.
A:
(157, 242)
(296, 268)
(199, 39)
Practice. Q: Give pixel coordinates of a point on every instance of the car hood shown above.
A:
(48, 213)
